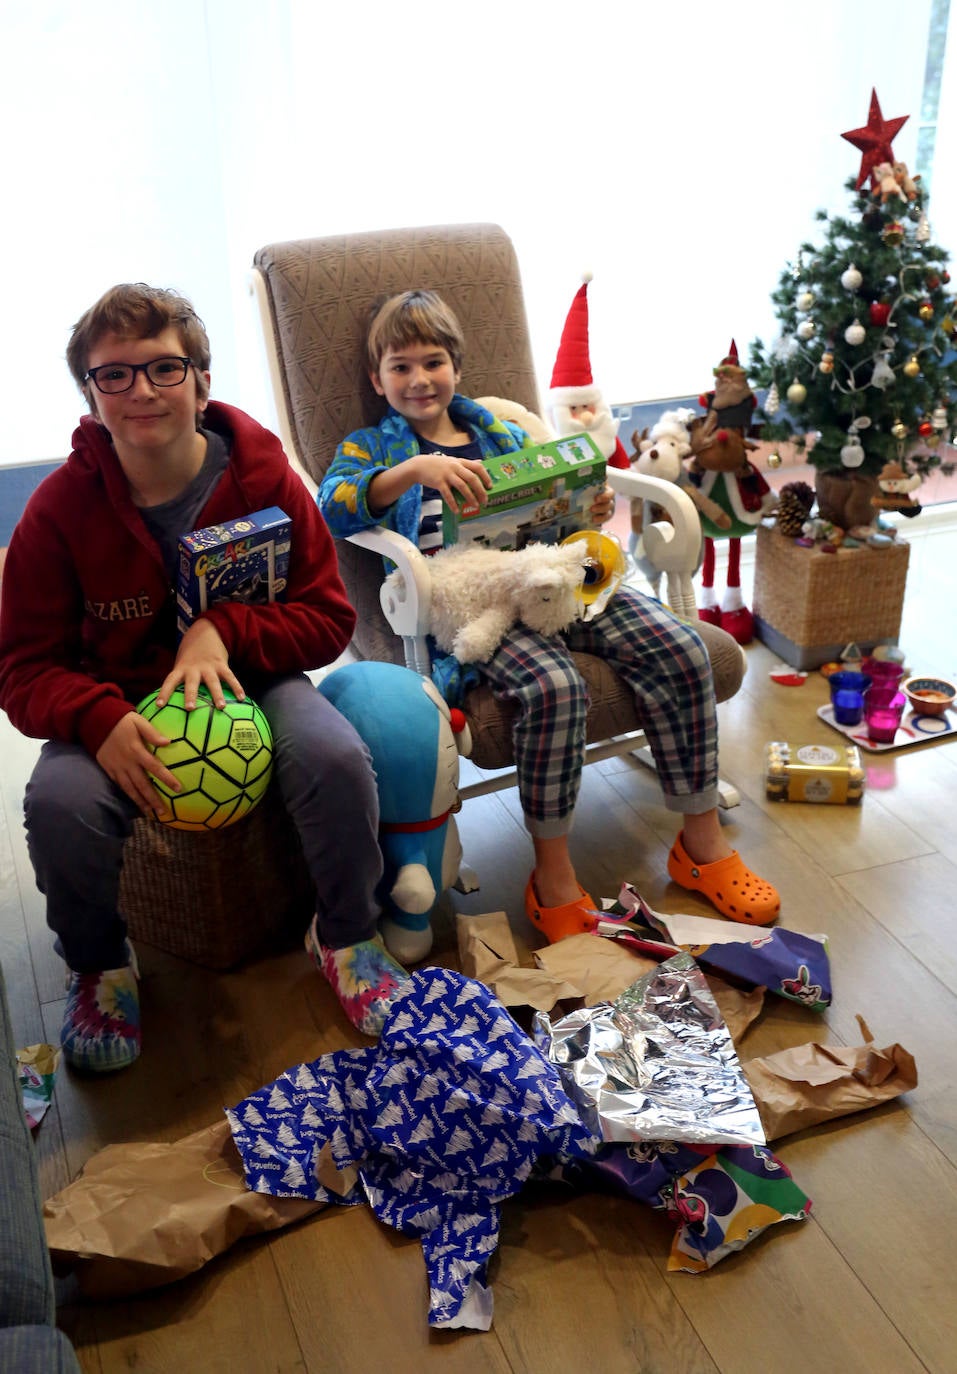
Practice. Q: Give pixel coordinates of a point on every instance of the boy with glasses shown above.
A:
(88, 628)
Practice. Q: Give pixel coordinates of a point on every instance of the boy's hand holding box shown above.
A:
(240, 560)
(538, 494)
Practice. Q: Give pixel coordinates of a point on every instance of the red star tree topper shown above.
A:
(874, 140)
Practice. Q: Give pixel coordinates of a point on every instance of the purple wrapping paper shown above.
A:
(784, 961)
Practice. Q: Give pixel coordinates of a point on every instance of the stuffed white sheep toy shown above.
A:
(478, 594)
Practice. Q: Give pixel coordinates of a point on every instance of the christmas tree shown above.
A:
(864, 372)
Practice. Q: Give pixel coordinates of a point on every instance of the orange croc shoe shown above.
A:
(558, 922)
(728, 884)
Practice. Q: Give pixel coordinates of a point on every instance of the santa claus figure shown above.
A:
(575, 404)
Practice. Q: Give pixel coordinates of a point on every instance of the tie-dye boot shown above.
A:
(364, 977)
(101, 1022)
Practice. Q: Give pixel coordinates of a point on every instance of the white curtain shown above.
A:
(678, 153)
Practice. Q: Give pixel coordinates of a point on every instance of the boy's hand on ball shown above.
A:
(202, 660)
(127, 759)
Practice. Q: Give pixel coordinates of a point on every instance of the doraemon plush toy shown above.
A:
(415, 741)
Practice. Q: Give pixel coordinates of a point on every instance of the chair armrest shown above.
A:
(673, 545)
(405, 600)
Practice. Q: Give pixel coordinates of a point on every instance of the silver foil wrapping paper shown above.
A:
(657, 1064)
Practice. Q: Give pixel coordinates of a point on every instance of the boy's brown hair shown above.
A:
(138, 311)
(414, 317)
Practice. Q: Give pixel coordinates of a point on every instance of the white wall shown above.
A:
(679, 156)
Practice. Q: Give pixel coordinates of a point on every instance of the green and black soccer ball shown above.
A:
(222, 758)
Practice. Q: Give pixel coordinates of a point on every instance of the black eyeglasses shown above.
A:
(112, 378)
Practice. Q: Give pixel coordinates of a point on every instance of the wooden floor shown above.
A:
(867, 1284)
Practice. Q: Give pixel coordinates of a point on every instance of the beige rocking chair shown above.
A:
(313, 297)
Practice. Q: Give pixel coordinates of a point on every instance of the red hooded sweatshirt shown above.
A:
(88, 615)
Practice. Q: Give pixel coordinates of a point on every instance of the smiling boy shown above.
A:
(88, 628)
(429, 450)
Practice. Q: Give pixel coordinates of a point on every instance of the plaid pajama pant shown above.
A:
(664, 663)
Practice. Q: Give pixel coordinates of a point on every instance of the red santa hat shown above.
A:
(571, 382)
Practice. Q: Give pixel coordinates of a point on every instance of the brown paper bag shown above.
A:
(143, 1215)
(487, 952)
(810, 1083)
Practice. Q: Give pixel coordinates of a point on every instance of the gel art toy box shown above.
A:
(538, 494)
(814, 773)
(241, 560)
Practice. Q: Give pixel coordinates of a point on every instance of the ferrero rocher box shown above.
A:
(813, 772)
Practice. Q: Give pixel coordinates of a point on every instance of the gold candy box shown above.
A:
(813, 773)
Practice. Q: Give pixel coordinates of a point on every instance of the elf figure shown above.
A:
(722, 471)
(575, 404)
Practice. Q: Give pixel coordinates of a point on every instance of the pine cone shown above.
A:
(794, 506)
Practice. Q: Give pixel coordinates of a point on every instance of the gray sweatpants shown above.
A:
(77, 822)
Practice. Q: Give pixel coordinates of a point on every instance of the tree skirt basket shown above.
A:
(217, 897)
(809, 605)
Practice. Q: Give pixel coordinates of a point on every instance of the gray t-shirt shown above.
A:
(169, 520)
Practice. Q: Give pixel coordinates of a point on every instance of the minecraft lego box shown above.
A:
(538, 494)
(241, 560)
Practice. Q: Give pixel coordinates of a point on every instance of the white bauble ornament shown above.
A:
(851, 279)
(772, 402)
(883, 374)
(797, 393)
(806, 329)
(855, 333)
(804, 301)
(852, 454)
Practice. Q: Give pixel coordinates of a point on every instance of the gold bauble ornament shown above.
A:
(911, 368)
(932, 440)
(947, 325)
(774, 460)
(797, 392)
(827, 363)
(899, 429)
(926, 311)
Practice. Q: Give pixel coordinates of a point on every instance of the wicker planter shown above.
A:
(809, 605)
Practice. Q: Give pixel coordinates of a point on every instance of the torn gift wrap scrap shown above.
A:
(786, 962)
(656, 1064)
(447, 1117)
(36, 1073)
